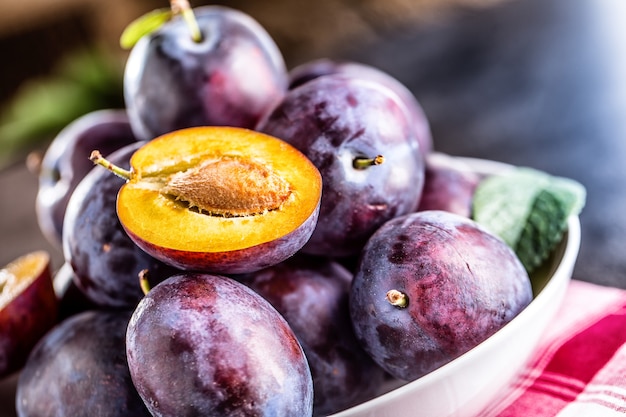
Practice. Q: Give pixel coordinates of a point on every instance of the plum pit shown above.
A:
(229, 187)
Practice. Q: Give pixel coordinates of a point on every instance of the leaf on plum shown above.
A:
(144, 25)
(528, 209)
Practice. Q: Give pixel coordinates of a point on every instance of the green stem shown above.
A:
(364, 162)
(183, 8)
(3, 280)
(143, 281)
(97, 158)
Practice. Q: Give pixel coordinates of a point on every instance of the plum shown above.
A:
(356, 132)
(230, 77)
(201, 344)
(106, 262)
(312, 295)
(320, 67)
(28, 308)
(218, 199)
(79, 368)
(72, 300)
(66, 162)
(449, 185)
(429, 287)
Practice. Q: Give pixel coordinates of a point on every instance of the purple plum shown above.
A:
(356, 132)
(207, 345)
(312, 294)
(105, 261)
(449, 185)
(72, 300)
(80, 368)
(66, 162)
(429, 287)
(320, 67)
(230, 77)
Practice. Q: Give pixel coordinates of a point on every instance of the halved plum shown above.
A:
(28, 308)
(219, 199)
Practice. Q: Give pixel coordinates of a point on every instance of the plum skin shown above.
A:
(463, 284)
(321, 67)
(106, 262)
(312, 294)
(65, 163)
(72, 300)
(201, 344)
(25, 319)
(79, 368)
(334, 120)
(449, 185)
(228, 78)
(239, 261)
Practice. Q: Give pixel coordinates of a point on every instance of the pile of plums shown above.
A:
(270, 242)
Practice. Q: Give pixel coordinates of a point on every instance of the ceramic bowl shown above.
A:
(464, 386)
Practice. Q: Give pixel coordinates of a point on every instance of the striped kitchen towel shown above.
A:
(579, 366)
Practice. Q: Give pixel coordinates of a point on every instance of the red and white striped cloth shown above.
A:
(579, 367)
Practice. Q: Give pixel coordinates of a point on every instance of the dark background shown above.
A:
(539, 83)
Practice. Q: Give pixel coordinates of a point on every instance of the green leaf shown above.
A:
(143, 26)
(83, 81)
(528, 209)
(42, 108)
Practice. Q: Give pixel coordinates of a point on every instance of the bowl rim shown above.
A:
(550, 295)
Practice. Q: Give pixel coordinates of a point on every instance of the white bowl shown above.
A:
(464, 386)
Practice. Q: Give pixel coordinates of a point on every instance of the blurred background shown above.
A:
(538, 83)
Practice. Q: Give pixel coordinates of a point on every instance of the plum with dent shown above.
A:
(219, 199)
(79, 368)
(431, 286)
(312, 295)
(320, 67)
(449, 185)
(357, 133)
(201, 344)
(66, 162)
(228, 77)
(28, 308)
(105, 261)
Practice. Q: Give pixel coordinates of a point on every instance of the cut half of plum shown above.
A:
(28, 308)
(218, 199)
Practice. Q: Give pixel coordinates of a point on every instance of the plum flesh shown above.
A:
(28, 308)
(105, 261)
(202, 344)
(452, 285)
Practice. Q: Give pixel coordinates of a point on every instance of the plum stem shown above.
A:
(397, 298)
(183, 8)
(143, 281)
(34, 163)
(364, 162)
(4, 278)
(97, 158)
